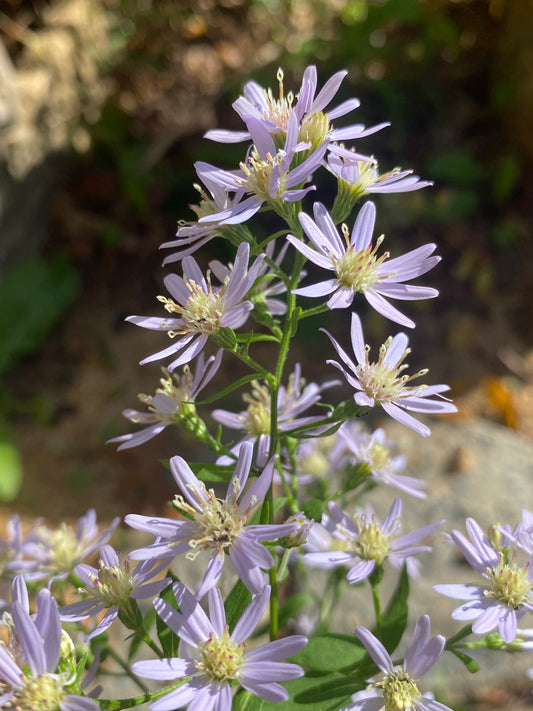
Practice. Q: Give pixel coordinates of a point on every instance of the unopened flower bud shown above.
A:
(299, 537)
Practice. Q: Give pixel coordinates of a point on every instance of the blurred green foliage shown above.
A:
(34, 295)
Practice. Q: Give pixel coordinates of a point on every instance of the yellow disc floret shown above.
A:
(384, 382)
(220, 657)
(257, 419)
(217, 525)
(43, 692)
(509, 583)
(399, 691)
(114, 584)
(203, 310)
(372, 543)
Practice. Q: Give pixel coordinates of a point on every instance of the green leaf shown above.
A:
(136, 640)
(236, 602)
(33, 295)
(262, 515)
(234, 386)
(394, 619)
(469, 663)
(325, 693)
(245, 701)
(331, 653)
(167, 638)
(212, 472)
(328, 692)
(313, 509)
(10, 467)
(357, 474)
(296, 314)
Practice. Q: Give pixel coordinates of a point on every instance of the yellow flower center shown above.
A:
(315, 129)
(509, 583)
(258, 174)
(317, 461)
(64, 548)
(203, 310)
(176, 387)
(379, 455)
(220, 657)
(383, 382)
(257, 420)
(113, 585)
(372, 543)
(217, 525)
(399, 691)
(358, 270)
(43, 692)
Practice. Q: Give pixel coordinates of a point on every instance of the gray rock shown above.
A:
(473, 468)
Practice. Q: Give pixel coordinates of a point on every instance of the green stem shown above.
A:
(377, 606)
(274, 434)
(463, 632)
(274, 604)
(314, 311)
(374, 580)
(138, 700)
(242, 355)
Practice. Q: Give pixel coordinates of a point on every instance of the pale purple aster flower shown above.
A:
(33, 669)
(202, 308)
(16, 552)
(114, 587)
(363, 543)
(267, 171)
(274, 114)
(383, 384)
(215, 657)
(264, 290)
(254, 422)
(173, 402)
(58, 550)
(376, 450)
(216, 525)
(217, 212)
(317, 458)
(398, 690)
(357, 267)
(507, 594)
(521, 535)
(362, 177)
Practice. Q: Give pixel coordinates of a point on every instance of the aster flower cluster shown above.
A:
(503, 559)
(281, 493)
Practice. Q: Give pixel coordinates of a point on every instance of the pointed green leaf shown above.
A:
(167, 638)
(236, 602)
(245, 701)
(10, 469)
(234, 386)
(331, 653)
(212, 472)
(313, 509)
(394, 619)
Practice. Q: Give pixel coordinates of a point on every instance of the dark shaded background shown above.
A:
(102, 110)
